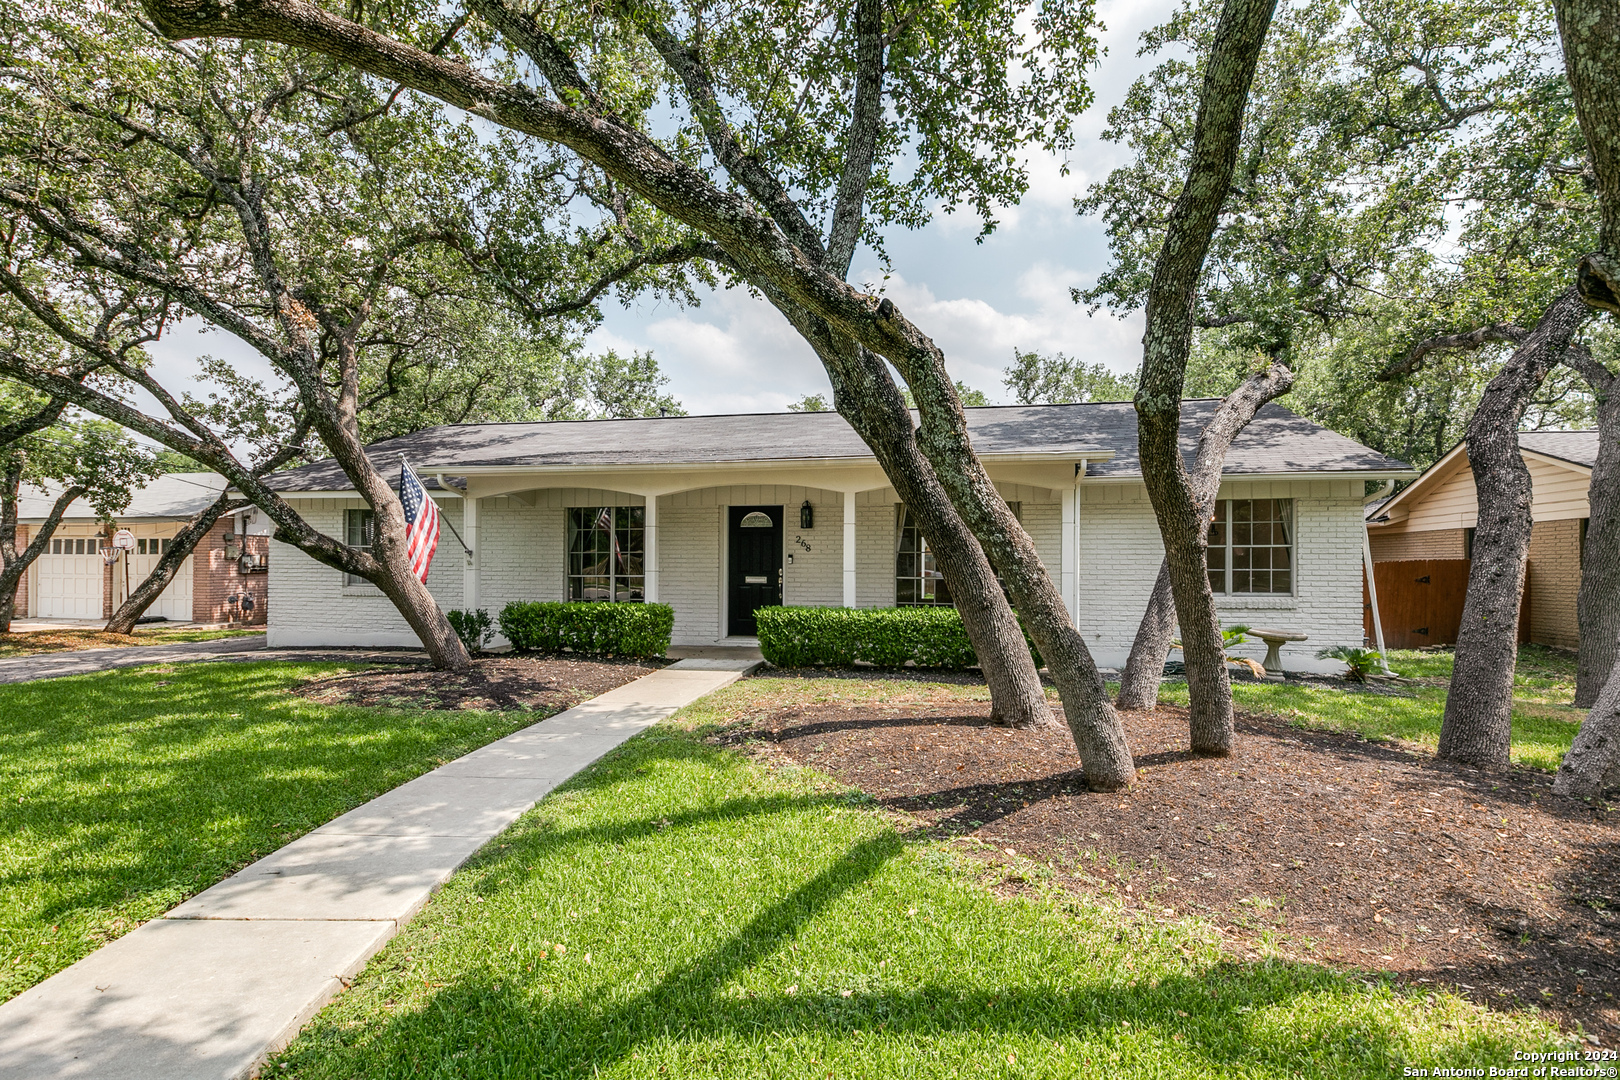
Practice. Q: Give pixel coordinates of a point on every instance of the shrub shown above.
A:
(603, 629)
(474, 628)
(930, 637)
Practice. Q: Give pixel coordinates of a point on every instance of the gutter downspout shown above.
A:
(1367, 566)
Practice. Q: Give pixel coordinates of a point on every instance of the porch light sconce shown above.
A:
(807, 516)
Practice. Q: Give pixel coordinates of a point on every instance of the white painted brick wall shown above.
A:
(310, 605)
(524, 558)
(689, 571)
(1044, 523)
(524, 554)
(1120, 552)
(874, 549)
(816, 578)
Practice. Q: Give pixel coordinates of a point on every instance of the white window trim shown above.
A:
(1266, 600)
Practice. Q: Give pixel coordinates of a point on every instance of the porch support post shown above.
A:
(1071, 547)
(469, 533)
(649, 551)
(849, 549)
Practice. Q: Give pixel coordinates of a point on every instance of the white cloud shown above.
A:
(979, 340)
(737, 354)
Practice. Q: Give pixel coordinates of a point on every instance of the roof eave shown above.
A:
(1064, 457)
(1297, 474)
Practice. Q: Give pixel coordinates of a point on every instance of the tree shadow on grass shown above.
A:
(133, 789)
(497, 1020)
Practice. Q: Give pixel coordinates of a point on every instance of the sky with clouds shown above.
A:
(979, 301)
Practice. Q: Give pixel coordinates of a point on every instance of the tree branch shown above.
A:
(728, 149)
(860, 140)
(38, 421)
(1473, 339)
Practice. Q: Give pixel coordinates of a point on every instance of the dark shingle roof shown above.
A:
(1576, 447)
(1276, 442)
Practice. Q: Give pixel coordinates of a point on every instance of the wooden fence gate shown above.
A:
(1421, 602)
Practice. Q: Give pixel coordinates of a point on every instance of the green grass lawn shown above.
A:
(1544, 723)
(128, 791)
(69, 639)
(681, 911)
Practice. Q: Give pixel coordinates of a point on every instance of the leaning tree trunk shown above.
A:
(1144, 668)
(1478, 722)
(1592, 765)
(1590, 33)
(879, 415)
(1239, 38)
(1017, 698)
(1139, 683)
(1597, 608)
(146, 593)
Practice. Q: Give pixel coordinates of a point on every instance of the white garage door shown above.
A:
(175, 602)
(69, 579)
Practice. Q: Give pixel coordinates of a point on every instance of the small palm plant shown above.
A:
(1231, 638)
(1360, 661)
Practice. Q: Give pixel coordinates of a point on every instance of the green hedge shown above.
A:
(930, 637)
(603, 629)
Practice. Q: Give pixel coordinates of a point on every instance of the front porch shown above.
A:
(828, 547)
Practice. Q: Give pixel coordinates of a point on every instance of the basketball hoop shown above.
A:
(124, 540)
(109, 555)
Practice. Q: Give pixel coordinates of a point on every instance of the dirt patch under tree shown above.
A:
(1344, 851)
(546, 684)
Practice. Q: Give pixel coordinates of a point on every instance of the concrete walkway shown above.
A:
(231, 975)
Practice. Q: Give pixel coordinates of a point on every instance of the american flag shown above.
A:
(421, 522)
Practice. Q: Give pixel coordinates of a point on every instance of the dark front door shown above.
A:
(755, 571)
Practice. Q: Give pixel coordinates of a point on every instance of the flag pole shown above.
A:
(452, 528)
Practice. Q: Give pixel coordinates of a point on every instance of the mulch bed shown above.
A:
(1356, 853)
(495, 683)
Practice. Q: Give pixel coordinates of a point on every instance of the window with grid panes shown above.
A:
(605, 553)
(917, 578)
(1251, 547)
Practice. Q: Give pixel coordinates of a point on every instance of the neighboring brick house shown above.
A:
(1428, 528)
(719, 515)
(215, 585)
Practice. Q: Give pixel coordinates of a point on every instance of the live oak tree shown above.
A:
(1529, 207)
(1144, 667)
(826, 149)
(1477, 725)
(1368, 128)
(1169, 304)
(1036, 379)
(322, 221)
(1590, 34)
(1059, 380)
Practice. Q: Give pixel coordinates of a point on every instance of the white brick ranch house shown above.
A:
(718, 515)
